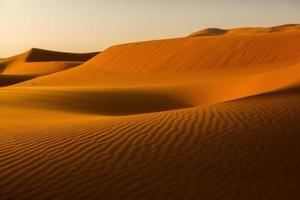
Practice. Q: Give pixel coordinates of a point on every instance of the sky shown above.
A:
(94, 25)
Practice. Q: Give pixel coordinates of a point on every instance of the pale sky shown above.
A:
(93, 25)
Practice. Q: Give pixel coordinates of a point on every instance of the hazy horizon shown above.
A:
(93, 25)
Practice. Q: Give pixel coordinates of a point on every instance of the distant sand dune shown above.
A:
(41, 62)
(38, 62)
(242, 31)
(41, 55)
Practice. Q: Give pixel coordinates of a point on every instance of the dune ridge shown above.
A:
(247, 30)
(244, 54)
(245, 65)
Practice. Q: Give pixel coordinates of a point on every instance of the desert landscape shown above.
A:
(211, 115)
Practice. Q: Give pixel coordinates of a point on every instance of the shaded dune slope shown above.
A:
(100, 101)
(3, 64)
(41, 55)
(210, 152)
(6, 80)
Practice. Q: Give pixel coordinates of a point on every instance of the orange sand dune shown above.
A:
(243, 149)
(38, 62)
(245, 65)
(250, 30)
(4, 63)
(198, 117)
(189, 88)
(239, 54)
(41, 62)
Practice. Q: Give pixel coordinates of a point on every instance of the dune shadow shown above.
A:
(115, 102)
(4, 64)
(122, 103)
(6, 80)
(286, 91)
(41, 55)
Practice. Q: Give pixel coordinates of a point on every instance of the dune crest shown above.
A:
(246, 53)
(245, 31)
(245, 65)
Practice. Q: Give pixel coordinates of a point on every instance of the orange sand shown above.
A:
(38, 62)
(211, 116)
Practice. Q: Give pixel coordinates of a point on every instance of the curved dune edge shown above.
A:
(243, 54)
(190, 153)
(153, 98)
(245, 31)
(42, 55)
(38, 62)
(96, 101)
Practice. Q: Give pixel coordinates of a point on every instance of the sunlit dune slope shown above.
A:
(208, 152)
(240, 54)
(210, 69)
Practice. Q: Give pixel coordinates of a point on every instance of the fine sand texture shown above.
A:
(215, 115)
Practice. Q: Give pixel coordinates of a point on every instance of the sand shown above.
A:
(246, 31)
(38, 62)
(168, 119)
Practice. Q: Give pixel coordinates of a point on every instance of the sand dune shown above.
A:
(101, 101)
(188, 88)
(242, 31)
(239, 55)
(38, 62)
(41, 55)
(198, 117)
(3, 64)
(210, 152)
